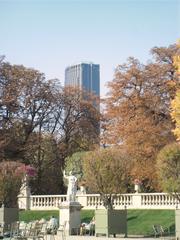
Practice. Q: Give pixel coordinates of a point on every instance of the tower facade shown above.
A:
(85, 76)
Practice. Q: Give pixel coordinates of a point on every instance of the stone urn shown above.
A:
(137, 188)
(137, 185)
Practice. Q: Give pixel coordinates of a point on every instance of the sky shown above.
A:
(50, 35)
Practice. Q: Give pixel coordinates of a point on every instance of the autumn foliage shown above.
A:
(41, 123)
(137, 114)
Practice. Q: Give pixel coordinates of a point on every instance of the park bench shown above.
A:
(160, 231)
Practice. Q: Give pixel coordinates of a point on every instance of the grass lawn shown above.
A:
(31, 215)
(139, 221)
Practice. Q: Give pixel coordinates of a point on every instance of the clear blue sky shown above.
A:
(49, 35)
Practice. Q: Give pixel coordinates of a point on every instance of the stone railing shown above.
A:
(47, 202)
(93, 201)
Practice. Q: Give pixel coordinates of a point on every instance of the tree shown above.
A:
(25, 104)
(42, 152)
(168, 168)
(137, 113)
(32, 108)
(175, 104)
(175, 114)
(74, 163)
(80, 123)
(11, 176)
(106, 171)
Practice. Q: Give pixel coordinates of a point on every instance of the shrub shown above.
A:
(12, 175)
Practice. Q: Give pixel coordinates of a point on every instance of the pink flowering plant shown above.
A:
(137, 182)
(11, 179)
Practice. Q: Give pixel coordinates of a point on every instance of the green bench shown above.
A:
(160, 231)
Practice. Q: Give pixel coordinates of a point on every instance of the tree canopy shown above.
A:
(106, 171)
(137, 113)
(168, 168)
(41, 123)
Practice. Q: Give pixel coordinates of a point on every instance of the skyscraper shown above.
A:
(86, 76)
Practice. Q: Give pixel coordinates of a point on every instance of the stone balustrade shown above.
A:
(93, 201)
(46, 202)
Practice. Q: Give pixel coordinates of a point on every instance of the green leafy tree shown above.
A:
(106, 171)
(42, 152)
(168, 168)
(74, 163)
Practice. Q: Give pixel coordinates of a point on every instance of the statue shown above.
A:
(72, 187)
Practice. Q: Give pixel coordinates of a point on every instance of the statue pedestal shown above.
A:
(70, 213)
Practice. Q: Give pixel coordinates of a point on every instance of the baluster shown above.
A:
(142, 200)
(33, 202)
(163, 199)
(87, 201)
(157, 200)
(131, 200)
(151, 200)
(122, 200)
(118, 200)
(39, 202)
(96, 201)
(47, 201)
(168, 199)
(55, 201)
(90, 201)
(146, 200)
(44, 201)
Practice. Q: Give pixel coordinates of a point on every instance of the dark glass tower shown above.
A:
(86, 76)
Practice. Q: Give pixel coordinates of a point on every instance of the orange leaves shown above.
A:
(138, 107)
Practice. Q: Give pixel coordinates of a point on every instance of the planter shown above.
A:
(8, 215)
(110, 222)
(177, 222)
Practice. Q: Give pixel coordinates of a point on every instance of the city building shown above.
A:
(85, 76)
